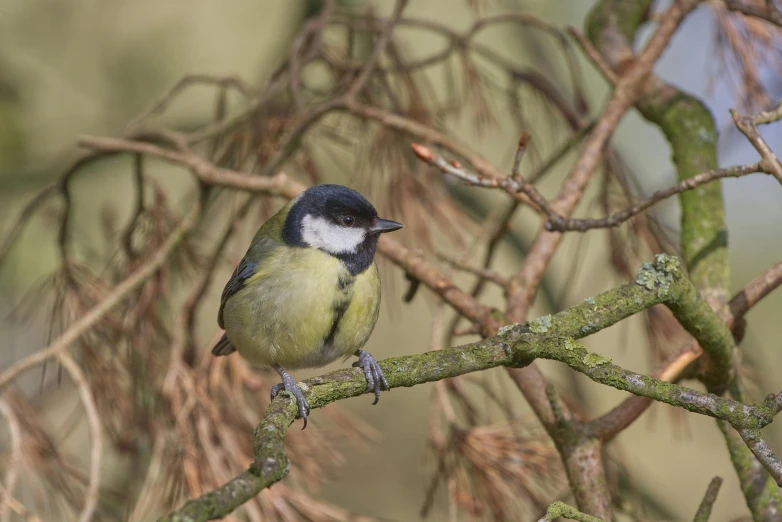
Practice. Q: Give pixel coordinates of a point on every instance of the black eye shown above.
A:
(348, 221)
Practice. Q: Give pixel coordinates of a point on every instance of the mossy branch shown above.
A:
(549, 337)
(689, 128)
(559, 510)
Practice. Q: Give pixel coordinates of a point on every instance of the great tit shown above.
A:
(307, 291)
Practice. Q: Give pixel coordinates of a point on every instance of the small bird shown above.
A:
(307, 292)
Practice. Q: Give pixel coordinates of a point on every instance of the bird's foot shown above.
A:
(289, 385)
(376, 381)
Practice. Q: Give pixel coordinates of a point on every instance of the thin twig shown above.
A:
(510, 184)
(14, 458)
(560, 153)
(612, 423)
(186, 82)
(755, 290)
(426, 133)
(704, 510)
(560, 224)
(473, 329)
(760, 449)
(380, 45)
(748, 126)
(96, 434)
(481, 272)
(593, 54)
(464, 40)
(311, 36)
(496, 230)
(767, 11)
(138, 208)
(520, 150)
(18, 507)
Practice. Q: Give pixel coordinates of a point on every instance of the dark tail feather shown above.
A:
(223, 347)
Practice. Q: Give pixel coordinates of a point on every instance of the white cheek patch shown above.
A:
(317, 232)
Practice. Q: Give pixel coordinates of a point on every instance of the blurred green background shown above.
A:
(87, 67)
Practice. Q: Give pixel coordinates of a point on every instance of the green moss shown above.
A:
(625, 16)
(601, 370)
(592, 360)
(647, 276)
(658, 275)
(559, 510)
(601, 311)
(689, 127)
(507, 328)
(669, 264)
(541, 324)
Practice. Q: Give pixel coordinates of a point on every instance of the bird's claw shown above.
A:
(376, 381)
(289, 385)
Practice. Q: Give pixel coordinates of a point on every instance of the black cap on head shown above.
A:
(336, 201)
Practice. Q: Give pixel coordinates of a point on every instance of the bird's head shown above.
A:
(338, 221)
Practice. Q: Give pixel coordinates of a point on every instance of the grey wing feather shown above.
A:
(260, 249)
(223, 347)
(242, 273)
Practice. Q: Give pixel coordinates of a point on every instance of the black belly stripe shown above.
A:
(339, 312)
(345, 282)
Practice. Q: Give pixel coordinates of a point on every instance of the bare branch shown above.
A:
(559, 224)
(510, 184)
(18, 507)
(612, 423)
(756, 290)
(96, 436)
(748, 126)
(380, 45)
(760, 449)
(765, 11)
(188, 81)
(593, 54)
(12, 464)
(481, 272)
(704, 510)
(426, 133)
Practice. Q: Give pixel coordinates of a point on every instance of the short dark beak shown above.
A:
(384, 225)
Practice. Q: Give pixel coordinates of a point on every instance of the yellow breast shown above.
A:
(302, 309)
